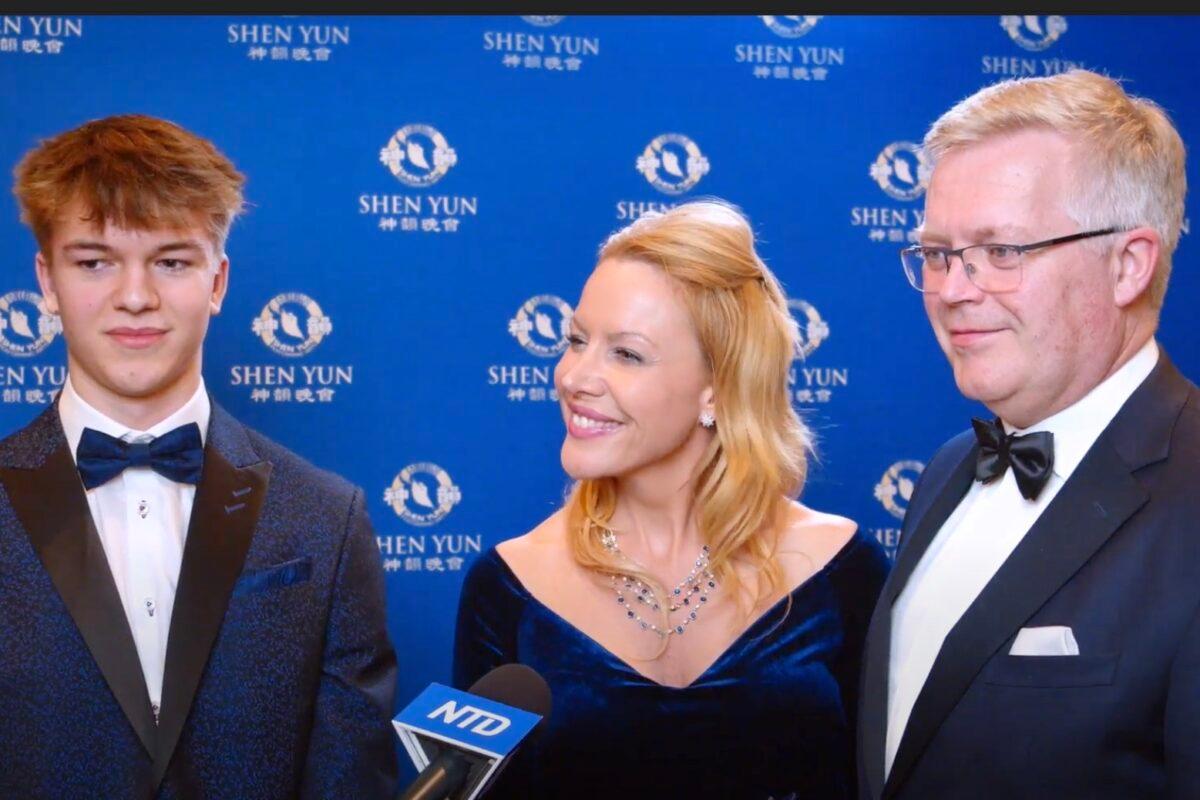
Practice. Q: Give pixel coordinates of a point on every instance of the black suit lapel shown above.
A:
(1098, 498)
(926, 520)
(49, 501)
(224, 515)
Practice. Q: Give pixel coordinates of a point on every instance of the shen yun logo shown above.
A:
(418, 155)
(292, 324)
(541, 325)
(1045, 30)
(672, 163)
(812, 384)
(422, 494)
(895, 488)
(26, 327)
(543, 20)
(792, 26)
(813, 329)
(901, 170)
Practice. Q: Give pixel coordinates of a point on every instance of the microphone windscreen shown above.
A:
(515, 685)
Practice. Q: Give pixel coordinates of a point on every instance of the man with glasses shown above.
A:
(1039, 636)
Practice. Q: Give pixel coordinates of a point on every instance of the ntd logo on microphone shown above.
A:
(476, 720)
(463, 720)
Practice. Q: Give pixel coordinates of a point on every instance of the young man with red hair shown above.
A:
(188, 609)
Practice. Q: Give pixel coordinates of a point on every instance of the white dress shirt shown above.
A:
(985, 528)
(142, 518)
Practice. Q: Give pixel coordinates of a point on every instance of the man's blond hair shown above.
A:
(1128, 159)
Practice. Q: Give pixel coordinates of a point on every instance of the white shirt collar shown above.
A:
(77, 414)
(1077, 426)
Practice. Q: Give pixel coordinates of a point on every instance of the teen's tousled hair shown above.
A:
(135, 171)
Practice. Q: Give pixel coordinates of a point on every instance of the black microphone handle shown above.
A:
(443, 775)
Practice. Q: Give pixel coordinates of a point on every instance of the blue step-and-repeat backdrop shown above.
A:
(427, 195)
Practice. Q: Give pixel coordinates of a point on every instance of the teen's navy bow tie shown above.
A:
(178, 454)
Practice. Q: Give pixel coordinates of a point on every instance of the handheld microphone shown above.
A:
(459, 740)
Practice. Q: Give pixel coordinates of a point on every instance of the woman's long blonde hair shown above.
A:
(758, 457)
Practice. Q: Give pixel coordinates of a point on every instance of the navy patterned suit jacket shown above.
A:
(279, 677)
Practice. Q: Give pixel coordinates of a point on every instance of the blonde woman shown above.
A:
(699, 628)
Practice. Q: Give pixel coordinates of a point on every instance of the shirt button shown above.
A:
(143, 508)
(149, 606)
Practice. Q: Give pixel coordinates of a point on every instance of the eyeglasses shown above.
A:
(992, 267)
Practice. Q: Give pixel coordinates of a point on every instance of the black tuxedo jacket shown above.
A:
(1116, 557)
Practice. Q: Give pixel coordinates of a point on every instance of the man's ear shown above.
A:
(1135, 260)
(220, 287)
(41, 267)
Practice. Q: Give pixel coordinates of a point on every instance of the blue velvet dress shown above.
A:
(771, 718)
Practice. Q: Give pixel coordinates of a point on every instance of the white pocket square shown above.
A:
(1051, 640)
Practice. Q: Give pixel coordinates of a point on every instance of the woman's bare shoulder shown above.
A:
(816, 536)
(546, 542)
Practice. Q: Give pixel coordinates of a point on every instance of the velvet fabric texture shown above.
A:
(771, 717)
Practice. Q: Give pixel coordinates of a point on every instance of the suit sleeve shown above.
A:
(1182, 718)
(352, 748)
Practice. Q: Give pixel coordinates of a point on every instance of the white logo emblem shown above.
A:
(543, 21)
(422, 494)
(791, 26)
(292, 324)
(895, 488)
(476, 720)
(418, 155)
(541, 325)
(672, 163)
(26, 327)
(813, 329)
(1045, 30)
(901, 170)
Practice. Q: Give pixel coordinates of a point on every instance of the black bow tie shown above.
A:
(1031, 456)
(178, 454)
